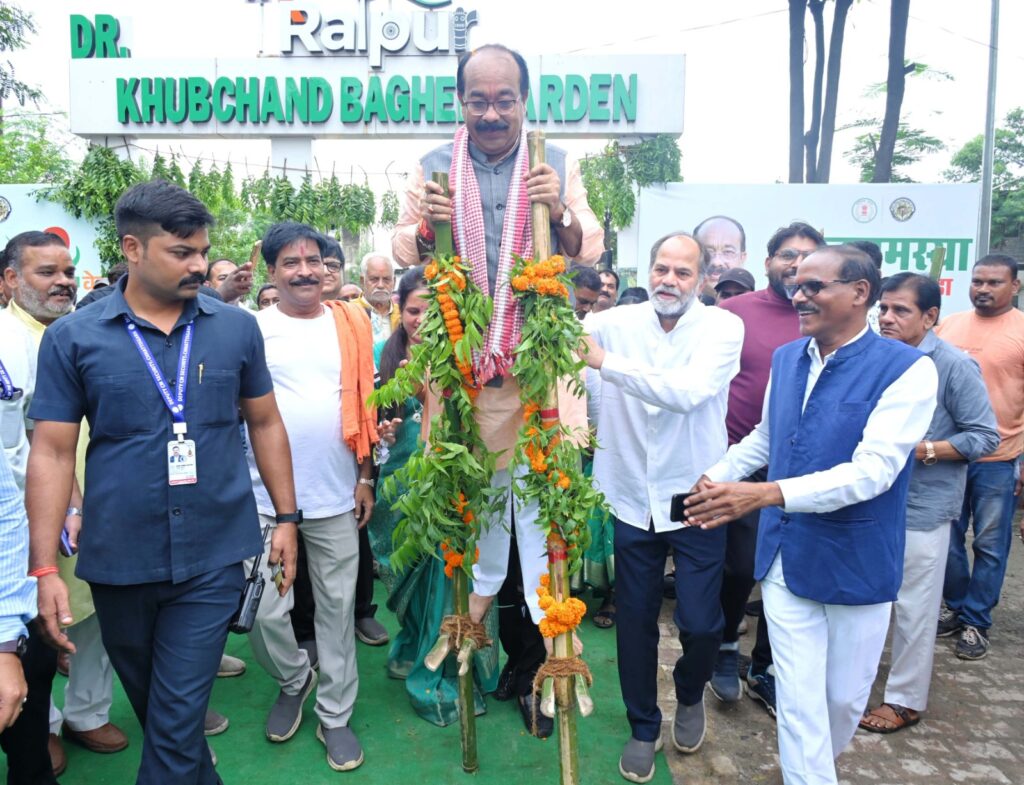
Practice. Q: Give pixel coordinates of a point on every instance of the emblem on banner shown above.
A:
(5, 209)
(902, 209)
(864, 210)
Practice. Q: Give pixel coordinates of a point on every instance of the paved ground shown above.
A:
(973, 732)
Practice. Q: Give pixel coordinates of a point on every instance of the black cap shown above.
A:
(737, 275)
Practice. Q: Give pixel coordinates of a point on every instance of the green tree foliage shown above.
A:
(389, 209)
(912, 144)
(612, 177)
(242, 214)
(1007, 175)
(15, 26)
(28, 153)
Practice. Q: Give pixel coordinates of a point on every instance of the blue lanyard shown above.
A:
(8, 392)
(175, 404)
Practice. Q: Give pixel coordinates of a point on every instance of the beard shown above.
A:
(379, 298)
(38, 305)
(671, 309)
(778, 285)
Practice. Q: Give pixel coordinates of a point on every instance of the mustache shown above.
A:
(67, 291)
(304, 281)
(194, 278)
(668, 290)
(804, 309)
(486, 125)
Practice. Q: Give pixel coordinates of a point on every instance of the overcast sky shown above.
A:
(737, 80)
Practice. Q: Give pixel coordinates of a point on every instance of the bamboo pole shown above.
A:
(444, 245)
(558, 564)
(467, 713)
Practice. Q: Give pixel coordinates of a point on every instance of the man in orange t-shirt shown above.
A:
(993, 334)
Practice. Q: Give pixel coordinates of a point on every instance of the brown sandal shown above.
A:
(902, 717)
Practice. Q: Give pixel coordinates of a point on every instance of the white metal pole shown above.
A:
(985, 227)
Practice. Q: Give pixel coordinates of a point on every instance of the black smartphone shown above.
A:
(677, 512)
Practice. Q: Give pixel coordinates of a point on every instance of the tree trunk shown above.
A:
(828, 118)
(797, 9)
(894, 87)
(817, 8)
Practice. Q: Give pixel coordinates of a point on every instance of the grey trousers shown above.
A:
(332, 548)
(89, 691)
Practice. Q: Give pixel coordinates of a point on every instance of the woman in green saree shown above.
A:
(421, 595)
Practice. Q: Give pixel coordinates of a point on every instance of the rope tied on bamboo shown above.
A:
(558, 667)
(460, 628)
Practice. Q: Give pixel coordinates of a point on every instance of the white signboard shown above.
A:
(908, 221)
(338, 97)
(20, 212)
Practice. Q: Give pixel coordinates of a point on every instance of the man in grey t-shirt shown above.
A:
(963, 429)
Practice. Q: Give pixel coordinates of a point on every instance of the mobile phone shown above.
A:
(277, 575)
(66, 548)
(677, 512)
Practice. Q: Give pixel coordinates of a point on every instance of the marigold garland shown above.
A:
(546, 353)
(452, 476)
(559, 616)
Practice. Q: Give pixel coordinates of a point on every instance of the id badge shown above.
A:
(181, 463)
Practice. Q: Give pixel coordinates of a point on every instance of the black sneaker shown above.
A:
(973, 643)
(761, 687)
(725, 680)
(949, 623)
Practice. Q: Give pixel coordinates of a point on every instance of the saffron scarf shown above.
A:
(355, 340)
(505, 328)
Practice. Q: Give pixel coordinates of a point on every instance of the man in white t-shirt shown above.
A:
(305, 353)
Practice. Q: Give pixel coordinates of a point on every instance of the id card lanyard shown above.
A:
(175, 403)
(8, 392)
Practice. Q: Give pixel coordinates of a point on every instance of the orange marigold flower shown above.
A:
(563, 482)
(430, 272)
(468, 517)
(545, 580)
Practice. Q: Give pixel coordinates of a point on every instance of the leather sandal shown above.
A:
(902, 717)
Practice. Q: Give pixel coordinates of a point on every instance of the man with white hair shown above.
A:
(660, 385)
(378, 285)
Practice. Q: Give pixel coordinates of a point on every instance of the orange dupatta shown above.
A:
(355, 339)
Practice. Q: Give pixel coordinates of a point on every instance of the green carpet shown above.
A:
(399, 747)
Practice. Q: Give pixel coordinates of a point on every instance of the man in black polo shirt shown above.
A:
(155, 368)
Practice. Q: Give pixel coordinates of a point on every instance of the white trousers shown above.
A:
(489, 571)
(332, 552)
(826, 658)
(89, 691)
(914, 614)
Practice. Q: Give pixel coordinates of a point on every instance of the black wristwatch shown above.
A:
(15, 647)
(289, 517)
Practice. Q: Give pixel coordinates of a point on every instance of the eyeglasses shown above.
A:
(729, 254)
(791, 255)
(503, 106)
(334, 267)
(810, 289)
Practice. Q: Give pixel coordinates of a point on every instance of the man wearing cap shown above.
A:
(733, 283)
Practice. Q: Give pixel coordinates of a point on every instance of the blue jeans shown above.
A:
(990, 502)
(699, 558)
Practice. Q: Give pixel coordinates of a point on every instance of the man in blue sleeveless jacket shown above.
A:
(843, 413)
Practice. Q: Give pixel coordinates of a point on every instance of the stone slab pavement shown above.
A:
(972, 733)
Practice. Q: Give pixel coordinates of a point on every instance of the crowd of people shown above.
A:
(166, 446)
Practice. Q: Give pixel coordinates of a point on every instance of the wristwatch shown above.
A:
(929, 454)
(566, 221)
(367, 481)
(15, 647)
(289, 517)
